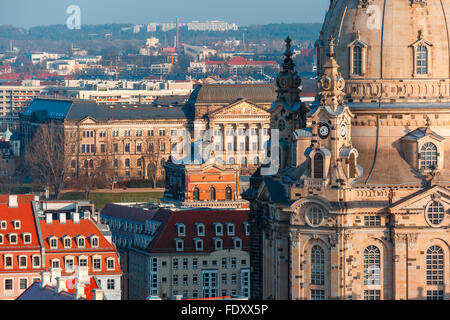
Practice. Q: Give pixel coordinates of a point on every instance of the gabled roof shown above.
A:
(419, 133)
(164, 242)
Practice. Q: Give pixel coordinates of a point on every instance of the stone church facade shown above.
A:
(360, 207)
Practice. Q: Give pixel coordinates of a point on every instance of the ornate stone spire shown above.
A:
(331, 84)
(288, 81)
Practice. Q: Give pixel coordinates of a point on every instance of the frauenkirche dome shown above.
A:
(390, 50)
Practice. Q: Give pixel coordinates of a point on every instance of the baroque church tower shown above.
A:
(360, 206)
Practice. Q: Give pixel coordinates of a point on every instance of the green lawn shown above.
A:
(101, 199)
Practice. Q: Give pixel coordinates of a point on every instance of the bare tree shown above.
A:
(44, 158)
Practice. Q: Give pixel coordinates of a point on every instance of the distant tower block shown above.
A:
(178, 36)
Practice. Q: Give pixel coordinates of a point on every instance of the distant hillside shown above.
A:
(297, 31)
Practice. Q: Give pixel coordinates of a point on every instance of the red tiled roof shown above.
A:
(85, 227)
(24, 213)
(166, 243)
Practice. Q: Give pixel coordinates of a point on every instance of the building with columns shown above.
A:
(359, 209)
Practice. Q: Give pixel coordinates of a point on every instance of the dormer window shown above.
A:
(179, 244)
(230, 229)
(3, 225)
(358, 52)
(200, 229)
(55, 263)
(27, 238)
(67, 242)
(81, 242)
(218, 228)
(421, 50)
(423, 149)
(16, 224)
(13, 238)
(428, 156)
(218, 244)
(198, 244)
(53, 242)
(247, 228)
(94, 241)
(237, 242)
(1, 239)
(181, 229)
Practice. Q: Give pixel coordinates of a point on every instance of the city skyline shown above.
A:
(21, 13)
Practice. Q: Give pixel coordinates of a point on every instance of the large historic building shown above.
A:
(359, 208)
(126, 142)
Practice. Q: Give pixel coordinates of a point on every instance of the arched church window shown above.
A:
(317, 265)
(196, 194)
(421, 60)
(435, 213)
(228, 193)
(372, 266)
(428, 156)
(357, 60)
(212, 194)
(435, 265)
(318, 165)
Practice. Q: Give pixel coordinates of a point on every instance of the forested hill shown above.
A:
(269, 32)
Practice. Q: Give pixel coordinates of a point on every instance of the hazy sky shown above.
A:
(29, 13)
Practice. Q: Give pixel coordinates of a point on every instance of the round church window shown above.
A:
(435, 213)
(314, 215)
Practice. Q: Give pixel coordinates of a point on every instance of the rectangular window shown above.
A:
(150, 133)
(115, 147)
(110, 284)
(175, 264)
(97, 264)
(138, 147)
(8, 284)
(372, 221)
(210, 284)
(23, 284)
(435, 295)
(103, 148)
(372, 294)
(317, 294)
(127, 147)
(194, 263)
(162, 132)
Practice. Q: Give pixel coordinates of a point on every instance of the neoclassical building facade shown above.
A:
(359, 208)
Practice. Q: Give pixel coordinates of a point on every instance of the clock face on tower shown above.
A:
(343, 130)
(324, 130)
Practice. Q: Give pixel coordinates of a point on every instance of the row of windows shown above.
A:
(127, 133)
(372, 268)
(435, 214)
(13, 238)
(218, 229)
(91, 148)
(22, 261)
(68, 263)
(224, 279)
(195, 263)
(421, 60)
(67, 241)
(15, 223)
(212, 193)
(8, 284)
(198, 244)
